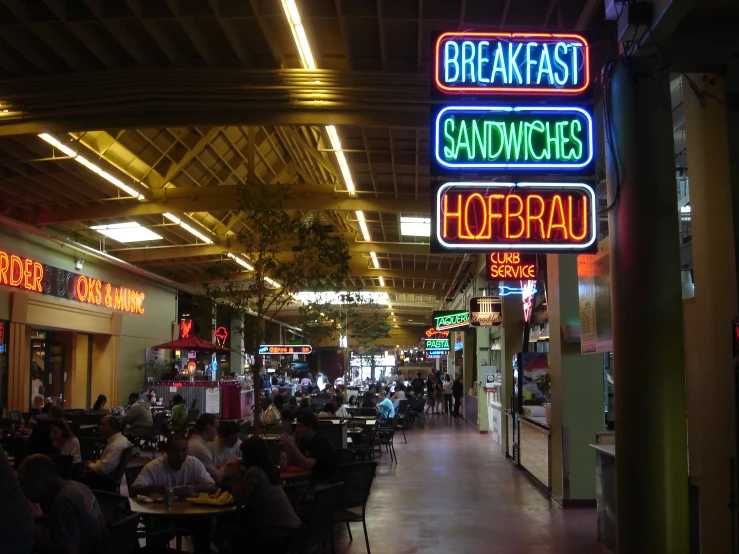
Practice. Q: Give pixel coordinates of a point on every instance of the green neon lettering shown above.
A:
(462, 142)
(449, 153)
(499, 126)
(553, 140)
(576, 152)
(512, 141)
(538, 127)
(478, 140)
(561, 140)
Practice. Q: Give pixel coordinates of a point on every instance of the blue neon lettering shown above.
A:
(499, 65)
(513, 63)
(529, 60)
(482, 59)
(468, 46)
(562, 65)
(574, 63)
(545, 65)
(448, 61)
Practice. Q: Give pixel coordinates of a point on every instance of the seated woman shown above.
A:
(352, 403)
(64, 440)
(256, 486)
(99, 406)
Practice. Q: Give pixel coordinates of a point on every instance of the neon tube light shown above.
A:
(512, 63)
(516, 138)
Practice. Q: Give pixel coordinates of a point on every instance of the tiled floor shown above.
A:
(452, 492)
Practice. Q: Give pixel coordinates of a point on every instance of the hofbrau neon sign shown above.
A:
(33, 276)
(521, 138)
(515, 216)
(512, 63)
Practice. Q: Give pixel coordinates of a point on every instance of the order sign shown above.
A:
(541, 217)
(517, 138)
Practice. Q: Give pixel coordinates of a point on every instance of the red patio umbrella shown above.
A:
(192, 343)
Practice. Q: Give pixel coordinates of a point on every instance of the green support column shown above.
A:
(511, 343)
(651, 449)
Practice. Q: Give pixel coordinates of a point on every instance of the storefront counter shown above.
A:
(535, 449)
(495, 417)
(222, 398)
(605, 487)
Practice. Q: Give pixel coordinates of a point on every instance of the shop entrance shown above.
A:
(60, 368)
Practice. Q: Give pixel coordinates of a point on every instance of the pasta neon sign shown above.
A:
(437, 344)
(544, 217)
(500, 137)
(33, 276)
(512, 63)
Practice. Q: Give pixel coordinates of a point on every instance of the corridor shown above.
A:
(452, 492)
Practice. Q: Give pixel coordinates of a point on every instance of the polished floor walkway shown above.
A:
(452, 492)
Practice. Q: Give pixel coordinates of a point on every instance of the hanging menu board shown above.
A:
(212, 400)
(594, 286)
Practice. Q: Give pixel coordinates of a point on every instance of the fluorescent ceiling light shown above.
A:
(375, 261)
(126, 232)
(363, 225)
(415, 226)
(337, 297)
(389, 305)
(190, 229)
(382, 281)
(301, 40)
(685, 209)
(240, 261)
(343, 165)
(273, 282)
(91, 166)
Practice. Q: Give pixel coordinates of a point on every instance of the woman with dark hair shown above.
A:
(64, 440)
(352, 401)
(256, 486)
(99, 406)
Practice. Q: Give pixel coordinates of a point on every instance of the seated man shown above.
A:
(339, 410)
(75, 523)
(204, 431)
(309, 450)
(174, 469)
(385, 407)
(138, 417)
(178, 421)
(227, 444)
(99, 473)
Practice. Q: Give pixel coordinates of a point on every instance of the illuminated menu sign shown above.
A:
(444, 320)
(512, 63)
(33, 276)
(543, 217)
(511, 265)
(437, 344)
(486, 311)
(435, 354)
(515, 138)
(285, 349)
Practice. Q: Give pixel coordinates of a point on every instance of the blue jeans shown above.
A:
(20, 544)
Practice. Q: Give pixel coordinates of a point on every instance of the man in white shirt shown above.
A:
(115, 445)
(357, 381)
(205, 431)
(174, 469)
(340, 411)
(227, 444)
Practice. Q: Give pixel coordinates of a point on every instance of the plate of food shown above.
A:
(219, 499)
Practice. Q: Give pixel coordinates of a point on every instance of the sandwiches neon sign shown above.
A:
(33, 276)
(512, 63)
(517, 138)
(546, 217)
(444, 320)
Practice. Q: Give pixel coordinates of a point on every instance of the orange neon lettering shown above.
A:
(509, 214)
(466, 220)
(81, 290)
(493, 214)
(16, 271)
(117, 298)
(108, 297)
(142, 296)
(530, 217)
(97, 289)
(573, 236)
(448, 214)
(558, 209)
(27, 274)
(38, 276)
(4, 267)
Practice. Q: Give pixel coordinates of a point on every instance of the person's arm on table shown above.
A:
(204, 482)
(294, 455)
(146, 485)
(241, 486)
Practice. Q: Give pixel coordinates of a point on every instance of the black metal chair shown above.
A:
(114, 506)
(192, 415)
(320, 523)
(416, 412)
(131, 473)
(403, 422)
(111, 483)
(385, 437)
(122, 537)
(357, 479)
(364, 445)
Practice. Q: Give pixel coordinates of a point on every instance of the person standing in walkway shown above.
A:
(447, 393)
(457, 390)
(431, 394)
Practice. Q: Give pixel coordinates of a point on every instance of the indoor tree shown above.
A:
(283, 253)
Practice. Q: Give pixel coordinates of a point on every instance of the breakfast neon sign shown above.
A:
(512, 63)
(33, 276)
(543, 217)
(517, 138)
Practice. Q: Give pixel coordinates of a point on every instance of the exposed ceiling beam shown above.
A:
(228, 197)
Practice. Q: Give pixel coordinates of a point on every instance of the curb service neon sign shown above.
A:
(507, 137)
(551, 217)
(512, 63)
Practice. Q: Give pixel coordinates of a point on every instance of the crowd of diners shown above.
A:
(207, 456)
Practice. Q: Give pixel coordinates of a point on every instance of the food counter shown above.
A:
(222, 398)
(535, 448)
(605, 486)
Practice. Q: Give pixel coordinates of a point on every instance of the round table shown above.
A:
(179, 508)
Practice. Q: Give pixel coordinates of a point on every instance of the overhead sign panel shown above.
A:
(486, 311)
(512, 63)
(285, 349)
(515, 138)
(445, 319)
(541, 217)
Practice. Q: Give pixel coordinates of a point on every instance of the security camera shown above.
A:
(78, 264)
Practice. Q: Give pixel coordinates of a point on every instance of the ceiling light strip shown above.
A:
(189, 228)
(91, 166)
